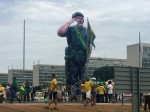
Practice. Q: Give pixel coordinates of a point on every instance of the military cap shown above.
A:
(74, 15)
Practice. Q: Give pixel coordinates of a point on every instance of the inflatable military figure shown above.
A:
(78, 51)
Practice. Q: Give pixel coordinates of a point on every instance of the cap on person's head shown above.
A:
(74, 15)
(94, 78)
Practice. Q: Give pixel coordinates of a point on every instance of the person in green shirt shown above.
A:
(28, 90)
(13, 89)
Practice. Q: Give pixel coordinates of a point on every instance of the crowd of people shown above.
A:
(26, 92)
(13, 91)
(91, 91)
(85, 91)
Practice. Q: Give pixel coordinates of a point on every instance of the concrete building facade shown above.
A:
(96, 62)
(3, 78)
(21, 76)
(139, 55)
(100, 62)
(42, 73)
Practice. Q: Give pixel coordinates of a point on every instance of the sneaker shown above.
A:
(85, 105)
(55, 107)
(92, 104)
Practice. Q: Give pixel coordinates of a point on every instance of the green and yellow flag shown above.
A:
(91, 33)
(80, 38)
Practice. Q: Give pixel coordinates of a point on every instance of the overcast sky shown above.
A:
(116, 24)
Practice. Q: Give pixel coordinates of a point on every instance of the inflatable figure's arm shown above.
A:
(64, 28)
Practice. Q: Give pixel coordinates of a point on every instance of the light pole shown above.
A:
(24, 49)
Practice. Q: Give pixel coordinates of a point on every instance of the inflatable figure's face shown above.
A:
(80, 20)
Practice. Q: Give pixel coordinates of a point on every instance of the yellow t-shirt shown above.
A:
(52, 84)
(101, 90)
(2, 89)
(88, 85)
(82, 87)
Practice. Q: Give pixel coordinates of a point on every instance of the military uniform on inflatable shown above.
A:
(78, 50)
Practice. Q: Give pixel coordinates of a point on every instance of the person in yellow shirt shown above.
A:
(88, 87)
(3, 90)
(53, 91)
(2, 93)
(93, 91)
(101, 91)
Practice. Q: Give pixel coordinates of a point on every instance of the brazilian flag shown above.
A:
(91, 33)
(22, 90)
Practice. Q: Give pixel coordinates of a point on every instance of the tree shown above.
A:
(104, 73)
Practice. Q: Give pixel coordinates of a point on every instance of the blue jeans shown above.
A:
(13, 95)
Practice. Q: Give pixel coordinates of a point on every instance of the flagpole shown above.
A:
(87, 57)
(139, 81)
(139, 51)
(91, 40)
(24, 49)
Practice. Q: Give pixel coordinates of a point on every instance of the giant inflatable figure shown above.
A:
(78, 51)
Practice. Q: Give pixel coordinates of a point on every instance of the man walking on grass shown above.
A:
(53, 91)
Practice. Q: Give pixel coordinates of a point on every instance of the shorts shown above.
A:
(88, 94)
(53, 95)
(83, 95)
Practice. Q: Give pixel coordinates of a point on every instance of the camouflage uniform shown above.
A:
(76, 55)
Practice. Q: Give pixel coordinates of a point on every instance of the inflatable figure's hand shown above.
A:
(72, 20)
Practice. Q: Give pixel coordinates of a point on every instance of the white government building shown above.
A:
(135, 56)
(41, 72)
(3, 77)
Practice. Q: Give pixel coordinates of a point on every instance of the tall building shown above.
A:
(100, 62)
(21, 76)
(96, 62)
(3, 78)
(42, 73)
(138, 57)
